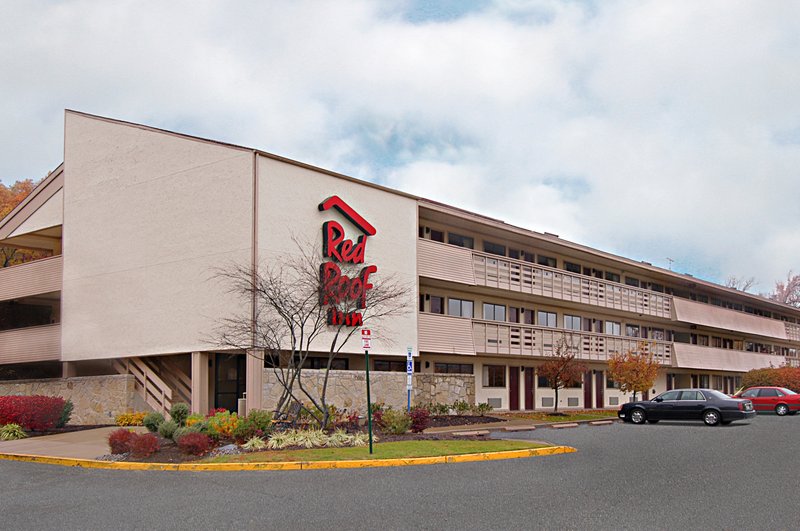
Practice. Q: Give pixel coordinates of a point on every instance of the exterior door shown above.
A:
(599, 390)
(587, 390)
(513, 388)
(530, 398)
(229, 380)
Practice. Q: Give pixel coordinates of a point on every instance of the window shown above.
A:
(452, 368)
(339, 364)
(670, 395)
(615, 329)
(702, 341)
(716, 342)
(460, 308)
(390, 366)
(657, 287)
(572, 268)
(546, 319)
(494, 248)
(520, 255)
(572, 322)
(514, 253)
(543, 382)
(513, 314)
(750, 393)
(768, 393)
(612, 277)
(527, 317)
(437, 235)
(630, 281)
(494, 375)
(494, 312)
(693, 395)
(546, 261)
(437, 304)
(632, 330)
(611, 384)
(461, 241)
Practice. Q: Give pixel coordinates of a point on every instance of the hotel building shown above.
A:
(136, 219)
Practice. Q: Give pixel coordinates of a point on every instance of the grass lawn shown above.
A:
(568, 416)
(389, 450)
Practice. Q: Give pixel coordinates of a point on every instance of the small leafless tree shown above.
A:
(787, 292)
(289, 321)
(740, 283)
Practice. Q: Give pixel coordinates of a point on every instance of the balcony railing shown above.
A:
(510, 339)
(792, 331)
(31, 278)
(524, 277)
(35, 343)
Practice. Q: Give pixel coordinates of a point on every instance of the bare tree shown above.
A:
(787, 292)
(293, 313)
(740, 283)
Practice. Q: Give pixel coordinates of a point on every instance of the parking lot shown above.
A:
(670, 475)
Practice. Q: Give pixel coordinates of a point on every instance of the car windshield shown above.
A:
(715, 394)
(787, 391)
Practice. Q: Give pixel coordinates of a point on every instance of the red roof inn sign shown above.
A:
(338, 289)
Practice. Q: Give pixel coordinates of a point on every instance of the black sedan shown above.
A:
(708, 405)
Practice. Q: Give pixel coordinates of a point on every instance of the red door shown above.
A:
(599, 390)
(513, 388)
(530, 399)
(587, 390)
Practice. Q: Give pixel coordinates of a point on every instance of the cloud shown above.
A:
(651, 129)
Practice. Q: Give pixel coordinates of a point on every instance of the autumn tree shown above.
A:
(291, 319)
(563, 369)
(635, 370)
(10, 197)
(785, 376)
(787, 292)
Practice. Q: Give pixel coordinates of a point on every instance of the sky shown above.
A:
(662, 131)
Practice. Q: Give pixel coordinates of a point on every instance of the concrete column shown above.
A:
(255, 378)
(200, 382)
(68, 369)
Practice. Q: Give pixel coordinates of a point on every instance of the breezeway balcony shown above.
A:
(35, 343)
(31, 278)
(457, 264)
(456, 335)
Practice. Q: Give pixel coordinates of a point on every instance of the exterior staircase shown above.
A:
(160, 381)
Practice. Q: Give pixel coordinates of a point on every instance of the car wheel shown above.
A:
(638, 416)
(781, 409)
(652, 421)
(711, 417)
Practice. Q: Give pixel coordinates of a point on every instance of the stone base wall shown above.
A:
(347, 389)
(97, 399)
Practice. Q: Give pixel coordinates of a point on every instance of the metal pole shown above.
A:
(369, 403)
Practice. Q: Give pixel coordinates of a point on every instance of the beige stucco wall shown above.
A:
(348, 389)
(288, 199)
(147, 215)
(96, 399)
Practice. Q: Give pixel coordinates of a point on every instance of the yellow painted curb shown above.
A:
(291, 465)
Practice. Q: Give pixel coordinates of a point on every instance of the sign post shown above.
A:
(366, 344)
(409, 374)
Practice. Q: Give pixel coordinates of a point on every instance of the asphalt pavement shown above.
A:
(667, 476)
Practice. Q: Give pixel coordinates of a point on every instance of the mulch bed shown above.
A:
(67, 429)
(443, 421)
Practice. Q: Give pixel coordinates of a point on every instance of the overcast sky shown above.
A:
(651, 129)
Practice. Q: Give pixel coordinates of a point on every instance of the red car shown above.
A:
(778, 399)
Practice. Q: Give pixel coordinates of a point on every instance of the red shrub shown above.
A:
(420, 419)
(194, 443)
(377, 418)
(120, 441)
(33, 413)
(144, 444)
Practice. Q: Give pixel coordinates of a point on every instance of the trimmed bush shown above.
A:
(167, 429)
(119, 441)
(180, 432)
(461, 407)
(420, 419)
(144, 444)
(152, 421)
(66, 414)
(788, 377)
(194, 443)
(395, 421)
(258, 423)
(481, 409)
(12, 432)
(195, 418)
(222, 424)
(32, 413)
(130, 419)
(179, 412)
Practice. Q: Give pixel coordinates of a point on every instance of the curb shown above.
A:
(291, 465)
